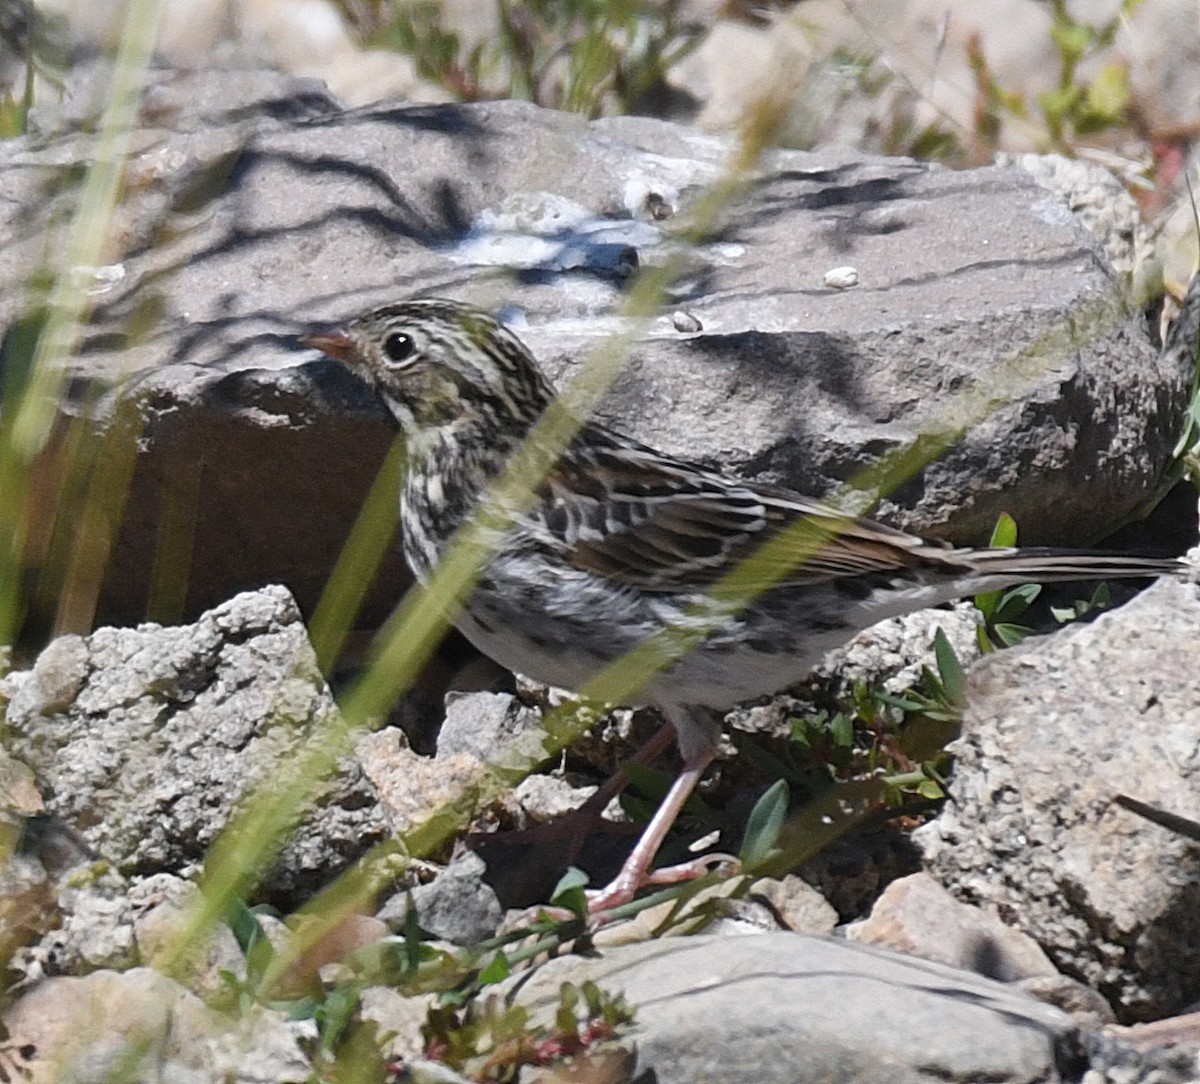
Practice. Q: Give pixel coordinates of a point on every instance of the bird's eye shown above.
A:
(399, 347)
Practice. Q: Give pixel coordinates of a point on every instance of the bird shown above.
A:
(621, 543)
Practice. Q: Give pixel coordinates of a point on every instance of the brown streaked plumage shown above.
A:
(623, 541)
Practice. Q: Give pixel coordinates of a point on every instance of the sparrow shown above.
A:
(622, 544)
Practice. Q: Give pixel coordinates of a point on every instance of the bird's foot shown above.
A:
(622, 889)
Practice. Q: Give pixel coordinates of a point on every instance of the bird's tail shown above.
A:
(1048, 565)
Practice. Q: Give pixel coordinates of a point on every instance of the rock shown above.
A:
(791, 1008)
(325, 960)
(95, 929)
(19, 795)
(147, 1028)
(172, 728)
(541, 799)
(1098, 199)
(913, 67)
(413, 790)
(1117, 1058)
(917, 916)
(786, 380)
(397, 1020)
(724, 909)
(851, 872)
(1162, 65)
(1052, 733)
(55, 680)
(799, 906)
(1174, 1029)
(21, 804)
(456, 906)
(27, 902)
(163, 905)
(300, 37)
(893, 653)
(495, 728)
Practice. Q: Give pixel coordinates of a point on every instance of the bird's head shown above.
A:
(440, 364)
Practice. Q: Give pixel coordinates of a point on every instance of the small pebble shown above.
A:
(99, 280)
(842, 278)
(685, 321)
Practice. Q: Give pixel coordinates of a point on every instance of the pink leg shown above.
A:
(636, 870)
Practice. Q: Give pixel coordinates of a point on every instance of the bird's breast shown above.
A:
(441, 492)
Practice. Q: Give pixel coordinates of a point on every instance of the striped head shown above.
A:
(442, 365)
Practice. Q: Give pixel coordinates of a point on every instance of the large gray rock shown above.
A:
(787, 1008)
(147, 739)
(1053, 732)
(254, 207)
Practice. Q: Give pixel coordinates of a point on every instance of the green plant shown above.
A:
(489, 1040)
(20, 35)
(1100, 599)
(14, 110)
(932, 714)
(1076, 107)
(1000, 609)
(28, 33)
(760, 844)
(873, 756)
(992, 101)
(587, 56)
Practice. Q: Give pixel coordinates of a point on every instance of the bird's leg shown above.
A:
(698, 743)
(636, 870)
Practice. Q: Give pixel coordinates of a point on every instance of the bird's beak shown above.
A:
(336, 344)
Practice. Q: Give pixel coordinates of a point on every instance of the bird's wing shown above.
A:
(647, 520)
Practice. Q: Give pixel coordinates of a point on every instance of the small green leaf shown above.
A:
(1108, 94)
(412, 936)
(244, 924)
(950, 670)
(304, 1008)
(593, 998)
(497, 970)
(569, 892)
(1073, 39)
(801, 731)
(763, 826)
(841, 729)
(931, 789)
(1015, 601)
(1061, 103)
(1010, 635)
(13, 118)
(564, 1015)
(334, 1015)
(1004, 534)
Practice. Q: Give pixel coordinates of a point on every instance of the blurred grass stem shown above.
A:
(34, 382)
